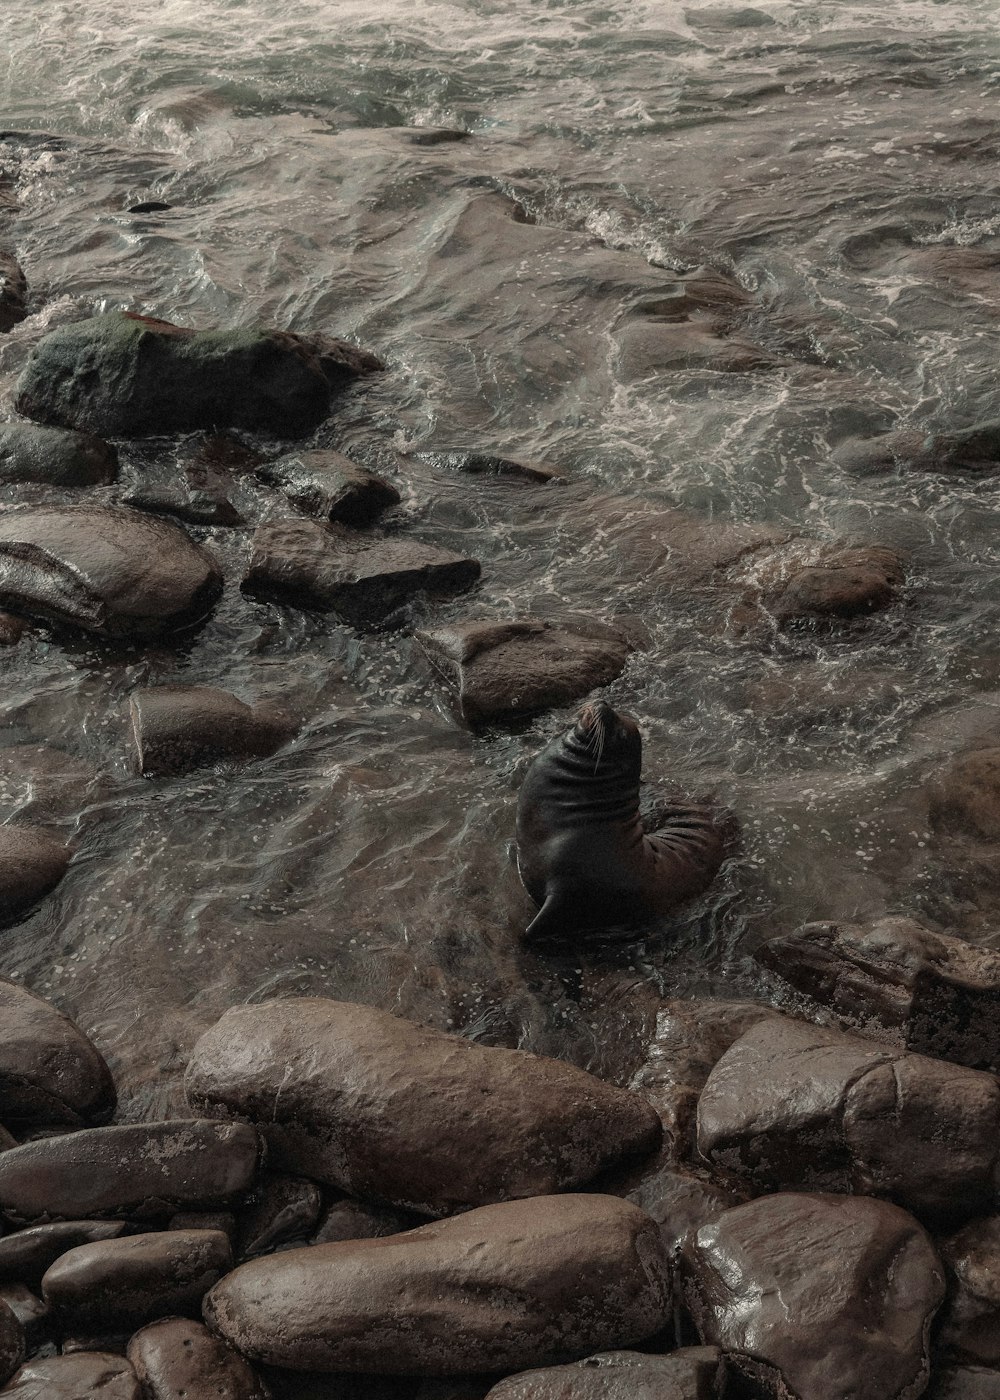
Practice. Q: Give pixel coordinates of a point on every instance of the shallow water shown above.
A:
(839, 162)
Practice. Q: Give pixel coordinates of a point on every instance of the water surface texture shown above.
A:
(839, 161)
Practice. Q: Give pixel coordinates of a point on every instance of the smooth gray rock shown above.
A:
(31, 865)
(385, 1109)
(691, 1373)
(106, 569)
(54, 456)
(86, 1375)
(178, 1358)
(331, 486)
(526, 1283)
(177, 728)
(49, 1071)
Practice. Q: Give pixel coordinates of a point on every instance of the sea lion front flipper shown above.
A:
(550, 921)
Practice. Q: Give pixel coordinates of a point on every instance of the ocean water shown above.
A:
(837, 161)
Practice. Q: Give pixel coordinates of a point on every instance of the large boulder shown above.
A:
(176, 1357)
(177, 728)
(970, 1320)
(526, 1283)
(361, 578)
(331, 486)
(106, 569)
(49, 1070)
(818, 1297)
(692, 1373)
(901, 982)
(54, 456)
(125, 375)
(500, 670)
(26, 1255)
(85, 1375)
(122, 1284)
(380, 1107)
(13, 292)
(31, 865)
(796, 1105)
(137, 1170)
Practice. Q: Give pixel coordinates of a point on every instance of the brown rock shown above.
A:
(818, 1296)
(140, 1170)
(224, 1220)
(802, 579)
(499, 670)
(13, 292)
(692, 1373)
(970, 1320)
(31, 865)
(30, 453)
(87, 1375)
(351, 1220)
(177, 728)
(965, 798)
(12, 629)
(526, 1283)
(363, 579)
(26, 1255)
(34, 1316)
(796, 1105)
(12, 1343)
(49, 1070)
(175, 1358)
(380, 1107)
(108, 570)
(331, 486)
(128, 1282)
(282, 1208)
(972, 449)
(900, 982)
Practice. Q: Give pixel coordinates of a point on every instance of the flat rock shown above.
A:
(900, 982)
(106, 569)
(31, 865)
(12, 1343)
(796, 1105)
(382, 1108)
(86, 1375)
(491, 464)
(331, 486)
(500, 670)
(970, 1321)
(818, 1296)
(137, 1170)
(281, 1208)
(123, 1284)
(13, 292)
(526, 1283)
(177, 728)
(361, 578)
(691, 1373)
(26, 1255)
(54, 456)
(969, 450)
(176, 1357)
(125, 375)
(49, 1071)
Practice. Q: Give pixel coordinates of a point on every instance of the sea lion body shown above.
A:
(582, 853)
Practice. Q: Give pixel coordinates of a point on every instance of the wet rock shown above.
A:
(970, 1320)
(965, 798)
(805, 580)
(796, 1105)
(108, 570)
(87, 1375)
(964, 1383)
(49, 1070)
(138, 1170)
(380, 1107)
(31, 865)
(177, 728)
(818, 1296)
(128, 1282)
(352, 1220)
(431, 135)
(900, 982)
(327, 484)
(658, 345)
(491, 464)
(13, 292)
(499, 670)
(362, 579)
(33, 1315)
(54, 456)
(26, 1255)
(176, 1357)
(691, 1373)
(526, 1283)
(125, 375)
(282, 1208)
(12, 629)
(973, 450)
(149, 206)
(196, 506)
(12, 1343)
(679, 1202)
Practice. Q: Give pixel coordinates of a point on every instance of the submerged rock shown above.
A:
(972, 449)
(31, 865)
(49, 1070)
(691, 1373)
(362, 579)
(818, 1296)
(108, 570)
(86, 1375)
(13, 292)
(176, 1357)
(26, 1255)
(330, 485)
(526, 1283)
(499, 670)
(491, 464)
(801, 579)
(964, 800)
(796, 1105)
(179, 728)
(970, 1320)
(123, 1284)
(136, 1170)
(901, 982)
(383, 1108)
(54, 456)
(126, 375)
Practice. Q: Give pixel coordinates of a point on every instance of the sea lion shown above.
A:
(582, 853)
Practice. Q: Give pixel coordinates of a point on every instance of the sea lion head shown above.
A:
(605, 735)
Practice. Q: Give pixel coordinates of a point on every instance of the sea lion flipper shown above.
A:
(549, 922)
